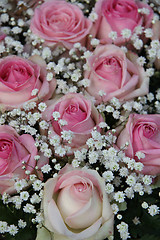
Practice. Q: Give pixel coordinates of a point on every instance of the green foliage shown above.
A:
(154, 82)
(11, 215)
(149, 227)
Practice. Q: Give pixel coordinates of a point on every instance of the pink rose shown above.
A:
(60, 22)
(15, 149)
(142, 132)
(76, 206)
(114, 73)
(18, 77)
(79, 113)
(116, 15)
(156, 36)
(2, 36)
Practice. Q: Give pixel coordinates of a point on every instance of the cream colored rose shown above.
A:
(76, 206)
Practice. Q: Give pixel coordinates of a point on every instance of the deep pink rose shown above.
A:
(76, 206)
(79, 113)
(18, 77)
(116, 15)
(14, 149)
(114, 73)
(142, 132)
(2, 36)
(60, 22)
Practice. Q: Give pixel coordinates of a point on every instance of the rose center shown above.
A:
(112, 62)
(80, 187)
(15, 76)
(149, 131)
(72, 108)
(5, 149)
(120, 7)
(110, 69)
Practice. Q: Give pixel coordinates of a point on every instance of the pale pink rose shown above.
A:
(60, 22)
(18, 77)
(15, 149)
(156, 36)
(79, 113)
(76, 206)
(114, 73)
(142, 132)
(116, 15)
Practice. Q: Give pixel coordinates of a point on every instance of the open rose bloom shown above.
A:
(76, 206)
(79, 114)
(116, 74)
(18, 77)
(62, 23)
(15, 149)
(117, 15)
(142, 132)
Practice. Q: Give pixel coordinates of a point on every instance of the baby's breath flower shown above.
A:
(29, 208)
(108, 176)
(24, 195)
(46, 168)
(115, 208)
(44, 125)
(49, 76)
(42, 106)
(119, 196)
(123, 172)
(129, 192)
(57, 166)
(144, 205)
(35, 199)
(109, 109)
(75, 163)
(148, 32)
(147, 179)
(123, 230)
(138, 166)
(56, 115)
(37, 185)
(19, 185)
(140, 155)
(60, 151)
(46, 52)
(131, 180)
(153, 210)
(113, 35)
(67, 135)
(101, 93)
(138, 44)
(109, 188)
(94, 42)
(3, 226)
(55, 140)
(34, 92)
(138, 187)
(21, 223)
(13, 230)
(126, 33)
(93, 157)
(93, 16)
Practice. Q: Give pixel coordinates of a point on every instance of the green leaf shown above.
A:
(149, 237)
(122, 206)
(157, 184)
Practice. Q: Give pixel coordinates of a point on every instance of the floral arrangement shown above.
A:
(79, 120)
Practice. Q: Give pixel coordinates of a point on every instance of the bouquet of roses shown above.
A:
(79, 119)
